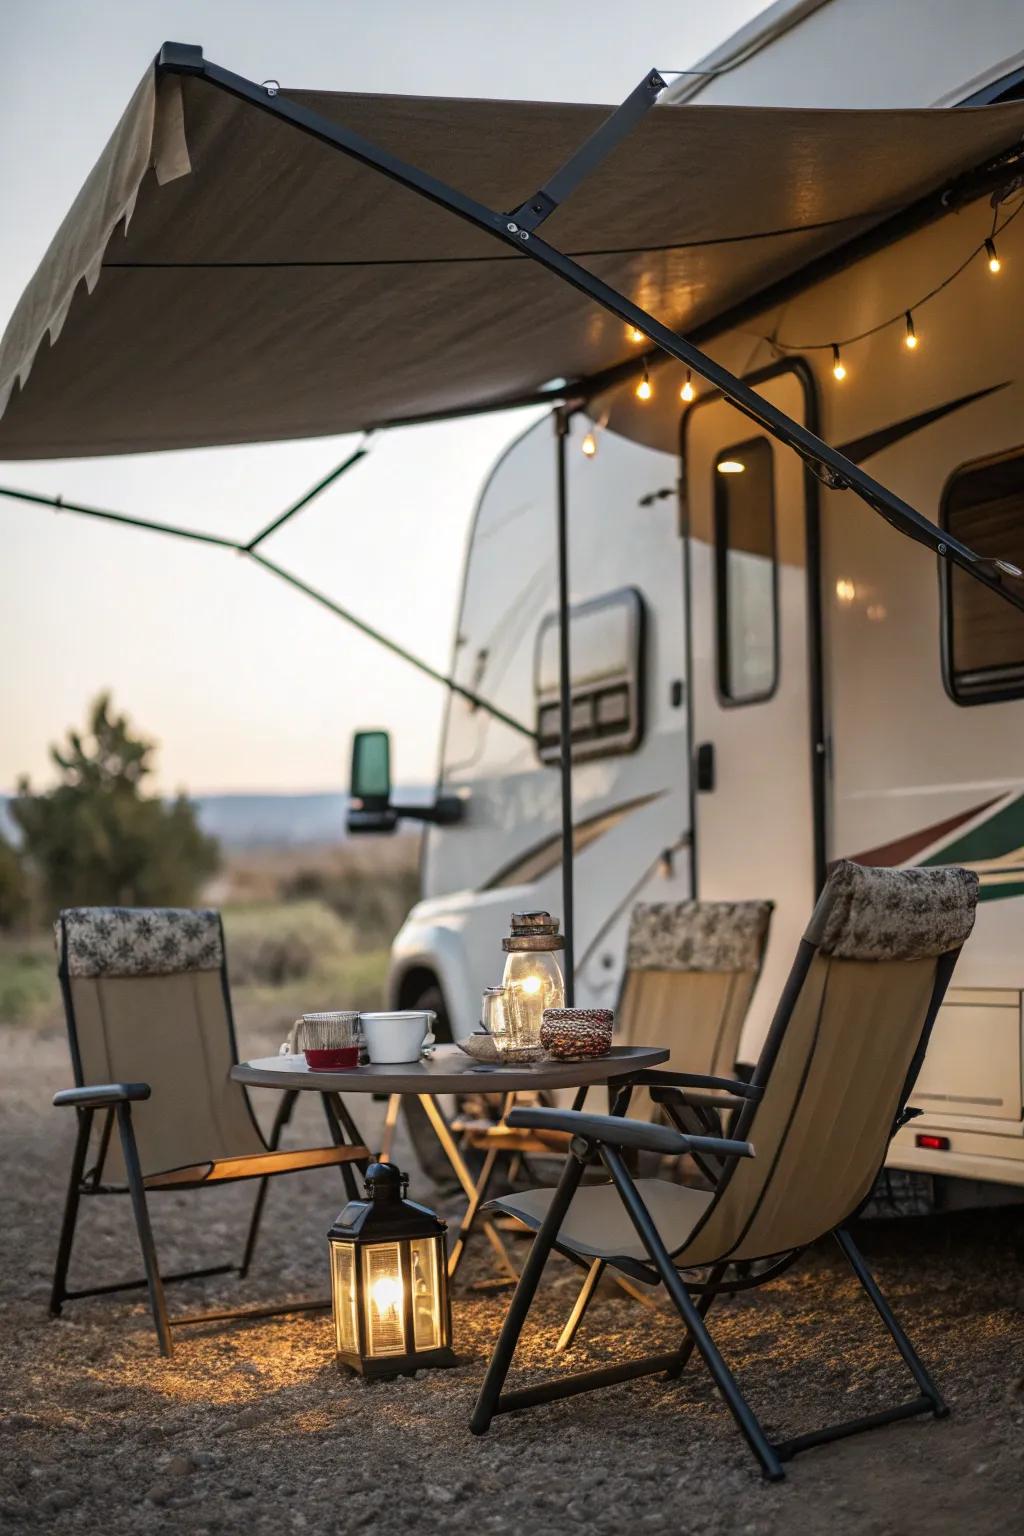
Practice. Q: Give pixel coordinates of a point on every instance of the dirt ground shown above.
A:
(251, 1427)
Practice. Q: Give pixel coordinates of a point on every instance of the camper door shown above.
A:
(756, 757)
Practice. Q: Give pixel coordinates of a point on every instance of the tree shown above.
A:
(97, 839)
(13, 886)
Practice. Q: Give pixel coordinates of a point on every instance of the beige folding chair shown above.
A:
(829, 1091)
(691, 970)
(150, 1024)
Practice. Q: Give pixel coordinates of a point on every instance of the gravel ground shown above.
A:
(252, 1427)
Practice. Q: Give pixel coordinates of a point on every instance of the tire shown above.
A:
(433, 998)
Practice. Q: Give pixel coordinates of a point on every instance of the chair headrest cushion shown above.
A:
(698, 935)
(139, 941)
(893, 914)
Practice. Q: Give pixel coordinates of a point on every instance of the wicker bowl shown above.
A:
(577, 1034)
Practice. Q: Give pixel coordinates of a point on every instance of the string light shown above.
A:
(687, 393)
(986, 247)
(636, 334)
(588, 447)
(645, 390)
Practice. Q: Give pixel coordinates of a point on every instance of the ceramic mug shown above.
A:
(397, 1037)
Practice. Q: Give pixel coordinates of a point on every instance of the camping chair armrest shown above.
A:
(101, 1095)
(616, 1131)
(658, 1082)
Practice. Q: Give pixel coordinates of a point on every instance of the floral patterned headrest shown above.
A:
(698, 935)
(893, 914)
(139, 941)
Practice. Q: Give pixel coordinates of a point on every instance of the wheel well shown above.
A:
(414, 983)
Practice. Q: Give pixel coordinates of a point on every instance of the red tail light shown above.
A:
(931, 1143)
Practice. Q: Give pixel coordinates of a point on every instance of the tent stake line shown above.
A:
(832, 467)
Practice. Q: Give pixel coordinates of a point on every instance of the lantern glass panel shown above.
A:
(385, 1299)
(426, 1299)
(344, 1296)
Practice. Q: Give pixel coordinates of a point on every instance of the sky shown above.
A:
(245, 684)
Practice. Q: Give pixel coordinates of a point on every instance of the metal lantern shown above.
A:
(389, 1281)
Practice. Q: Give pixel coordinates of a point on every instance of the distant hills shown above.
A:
(266, 820)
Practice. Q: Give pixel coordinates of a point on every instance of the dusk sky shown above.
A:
(246, 684)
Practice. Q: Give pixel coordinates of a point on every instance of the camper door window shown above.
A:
(745, 572)
(983, 505)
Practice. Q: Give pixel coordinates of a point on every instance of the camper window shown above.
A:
(745, 572)
(606, 657)
(983, 506)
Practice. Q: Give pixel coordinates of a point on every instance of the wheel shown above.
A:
(433, 998)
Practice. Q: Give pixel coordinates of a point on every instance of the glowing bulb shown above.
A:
(687, 392)
(838, 371)
(730, 467)
(644, 389)
(845, 590)
(635, 334)
(531, 984)
(911, 337)
(588, 447)
(994, 263)
(387, 1293)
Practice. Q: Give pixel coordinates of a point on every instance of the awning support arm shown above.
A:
(59, 504)
(590, 153)
(185, 59)
(304, 501)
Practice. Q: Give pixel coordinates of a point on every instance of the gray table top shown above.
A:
(448, 1070)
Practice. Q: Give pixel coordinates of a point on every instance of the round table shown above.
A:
(445, 1070)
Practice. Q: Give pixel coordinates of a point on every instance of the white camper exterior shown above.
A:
(765, 676)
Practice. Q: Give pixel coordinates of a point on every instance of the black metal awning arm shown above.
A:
(250, 552)
(836, 470)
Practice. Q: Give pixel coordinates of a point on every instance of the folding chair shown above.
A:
(829, 1091)
(691, 970)
(150, 1024)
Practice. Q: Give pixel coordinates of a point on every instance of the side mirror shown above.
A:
(370, 784)
(370, 808)
(371, 769)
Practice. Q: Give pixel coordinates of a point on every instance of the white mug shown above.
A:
(397, 1037)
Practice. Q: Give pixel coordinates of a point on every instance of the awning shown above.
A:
(269, 288)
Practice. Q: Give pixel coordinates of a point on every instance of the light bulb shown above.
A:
(994, 263)
(387, 1293)
(838, 371)
(636, 334)
(687, 392)
(644, 389)
(730, 467)
(588, 447)
(531, 984)
(910, 340)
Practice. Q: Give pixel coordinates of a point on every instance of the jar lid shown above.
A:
(533, 931)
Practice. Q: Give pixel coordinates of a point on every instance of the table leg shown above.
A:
(450, 1147)
(338, 1138)
(390, 1122)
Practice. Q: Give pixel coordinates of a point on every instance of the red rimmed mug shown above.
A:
(330, 1042)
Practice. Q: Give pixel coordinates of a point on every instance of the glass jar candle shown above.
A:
(532, 980)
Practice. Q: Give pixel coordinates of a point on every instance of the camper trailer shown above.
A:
(765, 676)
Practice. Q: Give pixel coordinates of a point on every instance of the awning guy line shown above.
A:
(837, 471)
(59, 504)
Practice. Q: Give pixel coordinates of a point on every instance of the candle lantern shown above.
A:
(532, 980)
(389, 1281)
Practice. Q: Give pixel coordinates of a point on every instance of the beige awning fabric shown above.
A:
(267, 287)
